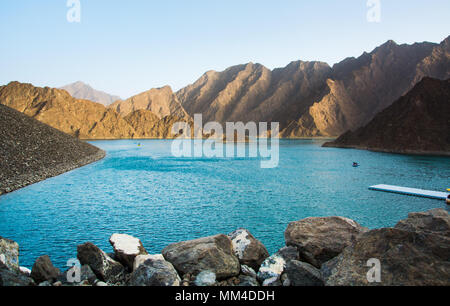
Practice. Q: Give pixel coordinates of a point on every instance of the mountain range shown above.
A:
(417, 123)
(309, 99)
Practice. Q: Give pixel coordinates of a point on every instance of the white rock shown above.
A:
(126, 248)
(25, 271)
(272, 267)
(205, 278)
(140, 259)
(246, 270)
(101, 284)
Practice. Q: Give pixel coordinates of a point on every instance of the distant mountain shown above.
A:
(55, 107)
(160, 101)
(80, 90)
(86, 119)
(252, 92)
(311, 98)
(417, 123)
(32, 151)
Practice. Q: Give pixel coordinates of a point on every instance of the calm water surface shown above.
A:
(146, 192)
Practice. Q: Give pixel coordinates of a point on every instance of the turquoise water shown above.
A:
(146, 192)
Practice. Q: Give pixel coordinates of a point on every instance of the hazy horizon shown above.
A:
(126, 48)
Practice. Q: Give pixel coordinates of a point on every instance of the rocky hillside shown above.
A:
(327, 251)
(148, 125)
(32, 151)
(254, 93)
(55, 107)
(418, 122)
(311, 98)
(80, 90)
(160, 101)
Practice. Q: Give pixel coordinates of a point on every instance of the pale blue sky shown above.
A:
(126, 47)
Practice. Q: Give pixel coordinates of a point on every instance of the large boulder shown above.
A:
(12, 278)
(126, 248)
(155, 272)
(406, 258)
(104, 267)
(248, 249)
(43, 270)
(213, 253)
(9, 253)
(303, 274)
(320, 239)
(140, 259)
(436, 221)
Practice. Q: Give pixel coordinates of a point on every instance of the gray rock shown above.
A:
(246, 270)
(248, 249)
(140, 259)
(303, 274)
(43, 270)
(436, 221)
(247, 281)
(272, 282)
(406, 259)
(45, 284)
(104, 267)
(155, 272)
(320, 239)
(205, 278)
(9, 253)
(271, 268)
(13, 278)
(289, 253)
(213, 253)
(126, 248)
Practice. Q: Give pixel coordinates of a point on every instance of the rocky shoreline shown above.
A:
(328, 251)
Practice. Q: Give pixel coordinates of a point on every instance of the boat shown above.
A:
(355, 164)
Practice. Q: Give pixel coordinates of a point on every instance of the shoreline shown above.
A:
(24, 180)
(389, 151)
(318, 251)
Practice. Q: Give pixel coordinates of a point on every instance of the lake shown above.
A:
(146, 192)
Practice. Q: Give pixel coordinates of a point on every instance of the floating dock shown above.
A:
(411, 191)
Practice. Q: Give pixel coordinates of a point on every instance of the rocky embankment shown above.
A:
(331, 251)
(32, 151)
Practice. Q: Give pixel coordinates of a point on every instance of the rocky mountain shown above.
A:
(57, 108)
(160, 101)
(80, 90)
(252, 92)
(418, 122)
(311, 98)
(148, 125)
(32, 151)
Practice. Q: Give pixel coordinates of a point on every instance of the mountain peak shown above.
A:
(81, 90)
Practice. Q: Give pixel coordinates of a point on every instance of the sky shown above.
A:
(127, 47)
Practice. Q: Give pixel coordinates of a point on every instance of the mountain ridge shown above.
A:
(80, 90)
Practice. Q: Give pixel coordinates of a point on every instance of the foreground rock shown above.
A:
(320, 239)
(9, 253)
(303, 274)
(14, 278)
(155, 272)
(43, 270)
(104, 267)
(436, 221)
(126, 248)
(273, 267)
(248, 249)
(205, 278)
(140, 259)
(406, 258)
(213, 253)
